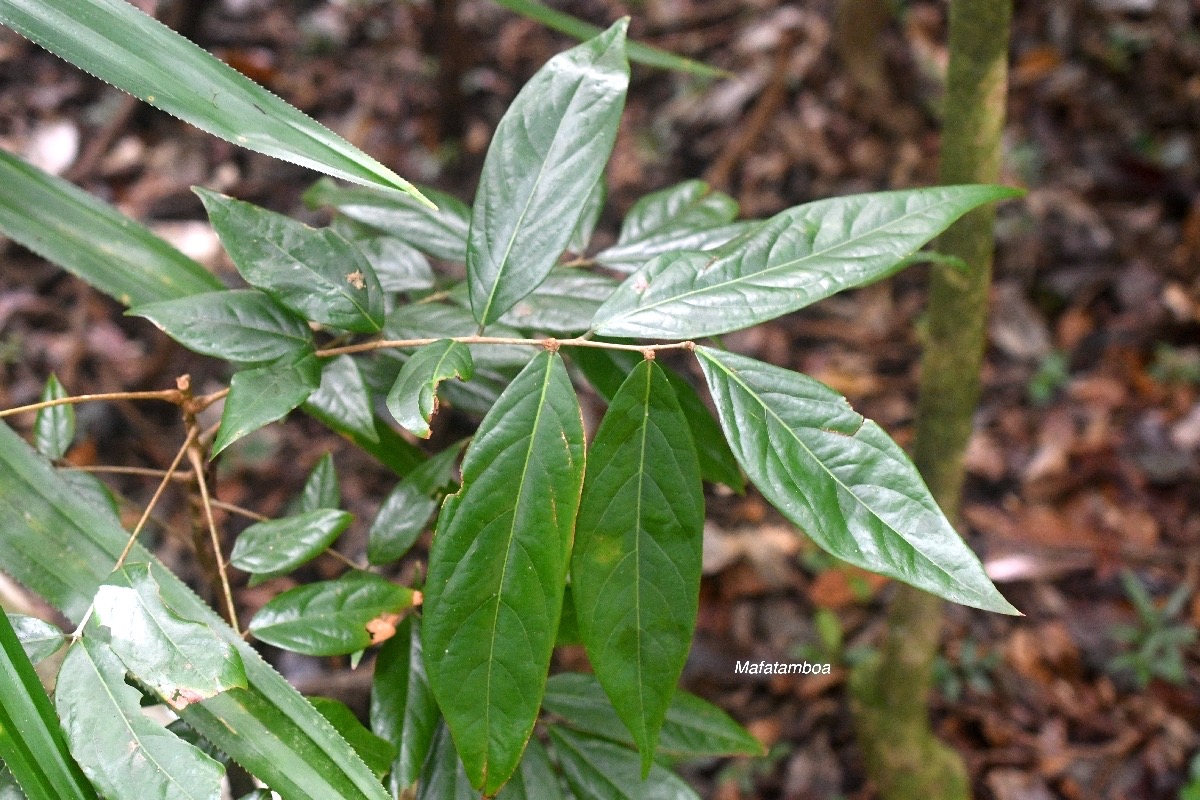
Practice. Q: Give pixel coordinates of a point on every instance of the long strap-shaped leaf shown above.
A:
(796, 258)
(548, 152)
(498, 567)
(117, 43)
(54, 542)
(70, 227)
(31, 741)
(635, 572)
(838, 476)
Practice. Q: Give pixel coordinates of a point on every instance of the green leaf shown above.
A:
(399, 522)
(241, 325)
(119, 44)
(437, 321)
(403, 710)
(792, 260)
(605, 370)
(548, 151)
(687, 216)
(332, 618)
(94, 491)
(54, 427)
(57, 544)
(641, 53)
(276, 547)
(693, 728)
(593, 207)
(497, 569)
(375, 752)
(321, 490)
(635, 573)
(839, 477)
(413, 399)
(534, 778)
(312, 271)
(31, 740)
(399, 266)
(180, 659)
(91, 239)
(123, 752)
(564, 303)
(9, 789)
(443, 776)
(343, 396)
(38, 638)
(601, 770)
(442, 233)
(260, 396)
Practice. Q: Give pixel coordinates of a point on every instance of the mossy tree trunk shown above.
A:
(889, 693)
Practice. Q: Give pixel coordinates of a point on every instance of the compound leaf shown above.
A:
(333, 618)
(260, 396)
(498, 566)
(276, 547)
(312, 271)
(242, 325)
(635, 574)
(841, 479)
(548, 152)
(121, 45)
(413, 398)
(125, 754)
(792, 260)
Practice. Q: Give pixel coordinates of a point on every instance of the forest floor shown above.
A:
(1085, 464)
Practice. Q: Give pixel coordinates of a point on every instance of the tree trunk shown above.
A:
(889, 692)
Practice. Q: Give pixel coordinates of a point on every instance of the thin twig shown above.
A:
(344, 559)
(197, 460)
(243, 512)
(104, 469)
(167, 395)
(548, 344)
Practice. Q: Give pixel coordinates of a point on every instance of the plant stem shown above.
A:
(197, 459)
(889, 693)
(167, 395)
(548, 344)
(102, 469)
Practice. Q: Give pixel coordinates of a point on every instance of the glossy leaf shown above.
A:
(687, 216)
(605, 370)
(692, 728)
(54, 427)
(564, 303)
(441, 233)
(403, 710)
(497, 569)
(240, 325)
(123, 752)
(635, 573)
(39, 639)
(375, 752)
(180, 659)
(343, 396)
(121, 45)
(276, 547)
(399, 522)
(333, 618)
(534, 778)
(601, 770)
(437, 321)
(442, 775)
(792, 260)
(312, 271)
(548, 151)
(260, 396)
(57, 544)
(643, 54)
(91, 239)
(321, 489)
(399, 266)
(593, 207)
(839, 477)
(413, 399)
(31, 740)
(9, 790)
